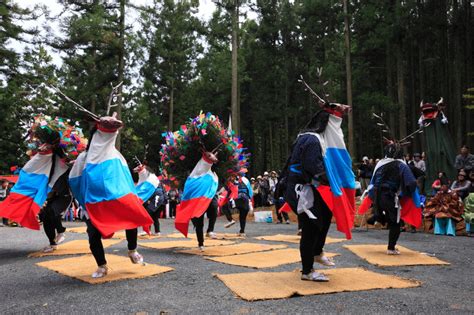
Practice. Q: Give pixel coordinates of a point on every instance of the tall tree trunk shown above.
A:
(171, 107)
(390, 85)
(412, 105)
(235, 106)
(402, 114)
(457, 73)
(352, 148)
(285, 115)
(270, 140)
(121, 66)
(469, 70)
(94, 96)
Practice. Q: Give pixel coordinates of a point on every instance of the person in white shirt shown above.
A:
(420, 164)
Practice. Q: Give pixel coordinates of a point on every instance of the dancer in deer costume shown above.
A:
(392, 191)
(320, 184)
(102, 183)
(198, 154)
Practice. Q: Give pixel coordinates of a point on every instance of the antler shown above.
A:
(114, 93)
(216, 148)
(321, 100)
(312, 92)
(321, 83)
(441, 101)
(137, 160)
(385, 128)
(80, 107)
(146, 152)
(412, 135)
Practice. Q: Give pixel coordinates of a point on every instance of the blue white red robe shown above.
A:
(317, 154)
(29, 193)
(147, 184)
(409, 208)
(199, 189)
(101, 181)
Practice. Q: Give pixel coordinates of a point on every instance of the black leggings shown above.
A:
(173, 204)
(387, 212)
(226, 211)
(155, 216)
(52, 224)
(95, 242)
(242, 205)
(199, 222)
(393, 234)
(281, 215)
(314, 232)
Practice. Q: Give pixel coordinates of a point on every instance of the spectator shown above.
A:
(420, 166)
(4, 192)
(264, 189)
(365, 173)
(155, 205)
(461, 186)
(440, 181)
(408, 158)
(173, 199)
(464, 160)
(419, 163)
(280, 201)
(257, 192)
(272, 182)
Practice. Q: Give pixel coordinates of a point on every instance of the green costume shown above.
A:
(440, 151)
(469, 209)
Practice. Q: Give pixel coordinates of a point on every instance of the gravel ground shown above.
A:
(192, 289)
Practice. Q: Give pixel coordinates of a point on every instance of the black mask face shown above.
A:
(318, 122)
(393, 150)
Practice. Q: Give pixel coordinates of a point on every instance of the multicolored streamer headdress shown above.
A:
(57, 132)
(204, 133)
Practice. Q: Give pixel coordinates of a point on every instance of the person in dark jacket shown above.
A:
(59, 200)
(156, 205)
(306, 170)
(279, 198)
(391, 177)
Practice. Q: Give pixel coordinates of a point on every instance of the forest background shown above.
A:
(245, 58)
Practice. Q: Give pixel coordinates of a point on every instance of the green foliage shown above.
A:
(174, 57)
